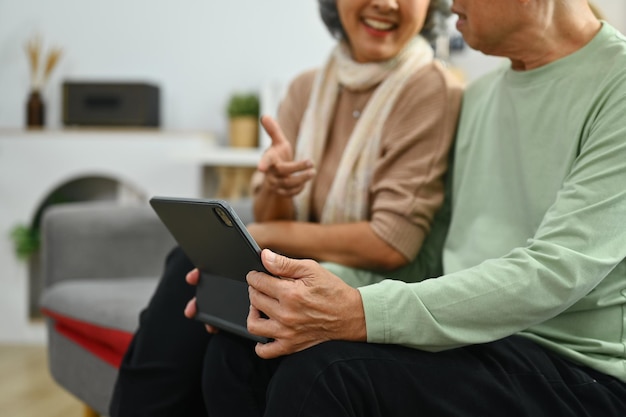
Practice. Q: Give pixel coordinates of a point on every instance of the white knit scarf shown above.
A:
(348, 196)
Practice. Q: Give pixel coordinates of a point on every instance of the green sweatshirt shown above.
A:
(537, 240)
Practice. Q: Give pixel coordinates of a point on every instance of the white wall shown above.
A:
(198, 51)
(614, 12)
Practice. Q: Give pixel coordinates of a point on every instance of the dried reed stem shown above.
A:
(35, 55)
(33, 50)
(51, 61)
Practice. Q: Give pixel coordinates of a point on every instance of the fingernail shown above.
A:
(270, 256)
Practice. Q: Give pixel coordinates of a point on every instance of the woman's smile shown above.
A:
(378, 27)
(377, 30)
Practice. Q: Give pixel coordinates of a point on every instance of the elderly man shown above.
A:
(530, 316)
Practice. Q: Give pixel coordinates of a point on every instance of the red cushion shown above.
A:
(106, 343)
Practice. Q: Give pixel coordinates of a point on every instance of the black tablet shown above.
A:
(216, 241)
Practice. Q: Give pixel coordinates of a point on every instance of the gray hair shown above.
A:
(434, 23)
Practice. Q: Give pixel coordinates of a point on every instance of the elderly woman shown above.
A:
(353, 179)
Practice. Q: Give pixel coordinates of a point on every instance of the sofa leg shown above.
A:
(89, 412)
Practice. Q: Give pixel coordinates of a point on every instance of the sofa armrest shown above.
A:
(102, 240)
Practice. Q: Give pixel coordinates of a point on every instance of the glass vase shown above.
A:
(35, 110)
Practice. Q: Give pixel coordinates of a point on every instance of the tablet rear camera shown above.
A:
(223, 216)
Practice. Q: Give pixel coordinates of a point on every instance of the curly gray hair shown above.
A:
(438, 10)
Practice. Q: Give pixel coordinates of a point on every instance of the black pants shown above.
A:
(175, 368)
(512, 377)
(161, 372)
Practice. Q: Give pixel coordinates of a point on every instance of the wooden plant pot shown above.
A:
(244, 132)
(235, 181)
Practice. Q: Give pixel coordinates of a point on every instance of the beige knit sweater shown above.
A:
(407, 186)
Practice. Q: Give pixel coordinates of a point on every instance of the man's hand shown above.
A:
(306, 306)
(283, 175)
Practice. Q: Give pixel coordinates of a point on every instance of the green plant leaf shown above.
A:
(25, 241)
(243, 105)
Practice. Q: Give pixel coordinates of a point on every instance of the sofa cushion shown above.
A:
(100, 315)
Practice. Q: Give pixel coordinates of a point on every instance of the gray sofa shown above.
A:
(100, 263)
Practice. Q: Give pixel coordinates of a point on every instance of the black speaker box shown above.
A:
(110, 104)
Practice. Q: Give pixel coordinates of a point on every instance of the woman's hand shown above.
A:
(306, 306)
(283, 176)
(191, 308)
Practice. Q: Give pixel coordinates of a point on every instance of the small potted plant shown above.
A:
(243, 115)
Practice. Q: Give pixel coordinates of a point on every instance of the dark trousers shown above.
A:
(161, 372)
(508, 378)
(175, 368)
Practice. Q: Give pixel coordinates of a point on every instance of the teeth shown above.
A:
(378, 25)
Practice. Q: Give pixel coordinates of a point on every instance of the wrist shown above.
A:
(358, 328)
